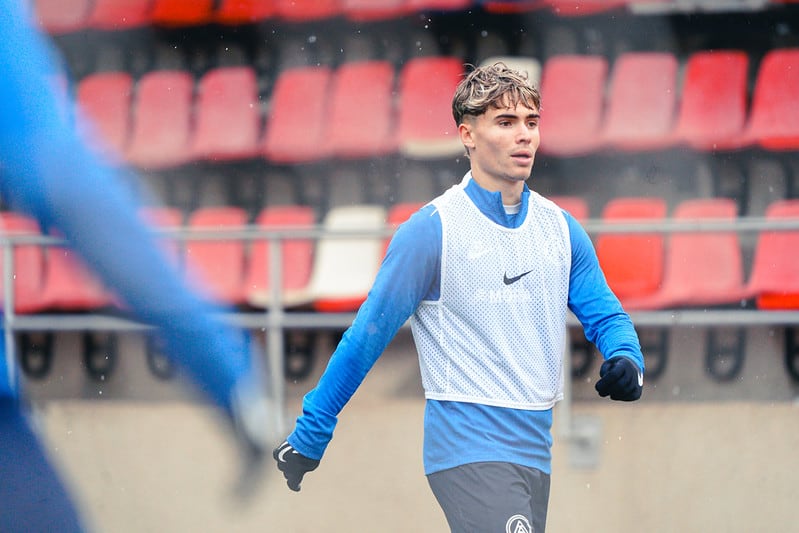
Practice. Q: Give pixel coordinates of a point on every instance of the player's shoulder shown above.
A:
(426, 215)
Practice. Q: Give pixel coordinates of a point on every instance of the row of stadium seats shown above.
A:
(646, 270)
(369, 109)
(60, 16)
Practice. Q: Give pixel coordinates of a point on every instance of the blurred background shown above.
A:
(252, 122)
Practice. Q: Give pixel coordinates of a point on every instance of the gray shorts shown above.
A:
(492, 497)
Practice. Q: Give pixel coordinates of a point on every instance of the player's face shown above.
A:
(502, 142)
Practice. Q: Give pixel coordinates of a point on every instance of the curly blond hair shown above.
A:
(493, 85)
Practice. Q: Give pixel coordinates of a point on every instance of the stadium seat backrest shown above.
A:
(162, 109)
(632, 262)
(104, 99)
(69, 284)
(775, 269)
(216, 266)
(295, 125)
(576, 206)
(345, 267)
(361, 122)
(712, 112)
(296, 254)
(704, 267)
(307, 10)
(61, 16)
(227, 114)
(774, 115)
(182, 13)
(641, 101)
(366, 10)
(120, 14)
(512, 6)
(28, 263)
(579, 8)
(573, 87)
(235, 12)
(426, 127)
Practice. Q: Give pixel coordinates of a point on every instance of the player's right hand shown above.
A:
(293, 464)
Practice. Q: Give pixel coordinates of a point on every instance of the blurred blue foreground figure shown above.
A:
(48, 172)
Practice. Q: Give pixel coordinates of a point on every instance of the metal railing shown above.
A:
(274, 320)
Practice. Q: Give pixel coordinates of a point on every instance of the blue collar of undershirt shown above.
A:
(490, 203)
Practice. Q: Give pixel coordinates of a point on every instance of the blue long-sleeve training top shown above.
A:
(457, 433)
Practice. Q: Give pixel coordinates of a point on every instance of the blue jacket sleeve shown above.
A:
(605, 322)
(407, 275)
(48, 172)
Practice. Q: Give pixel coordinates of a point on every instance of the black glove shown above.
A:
(620, 379)
(293, 464)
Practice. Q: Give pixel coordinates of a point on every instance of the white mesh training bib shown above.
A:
(496, 335)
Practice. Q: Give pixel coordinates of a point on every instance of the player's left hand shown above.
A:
(621, 379)
(293, 464)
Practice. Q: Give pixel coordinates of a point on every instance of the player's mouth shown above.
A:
(523, 157)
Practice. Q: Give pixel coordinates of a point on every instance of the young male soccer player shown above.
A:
(487, 272)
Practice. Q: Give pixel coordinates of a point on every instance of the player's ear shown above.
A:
(465, 133)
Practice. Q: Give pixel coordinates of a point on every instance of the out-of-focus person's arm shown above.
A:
(46, 170)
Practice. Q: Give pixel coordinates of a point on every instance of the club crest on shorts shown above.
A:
(518, 524)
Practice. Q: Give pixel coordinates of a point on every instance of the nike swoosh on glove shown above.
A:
(621, 379)
(293, 464)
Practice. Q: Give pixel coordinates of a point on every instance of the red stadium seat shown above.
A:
(234, 12)
(104, 99)
(366, 10)
(345, 267)
(574, 205)
(642, 102)
(182, 12)
(28, 272)
(573, 88)
(578, 8)
(632, 263)
(712, 111)
(162, 111)
(297, 257)
(774, 115)
(227, 115)
(70, 286)
(61, 16)
(120, 14)
(426, 127)
(215, 267)
(775, 270)
(512, 6)
(437, 5)
(307, 10)
(295, 127)
(702, 268)
(360, 122)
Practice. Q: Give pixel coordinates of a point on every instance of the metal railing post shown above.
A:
(8, 313)
(275, 349)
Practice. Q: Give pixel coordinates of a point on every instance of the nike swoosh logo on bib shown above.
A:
(514, 279)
